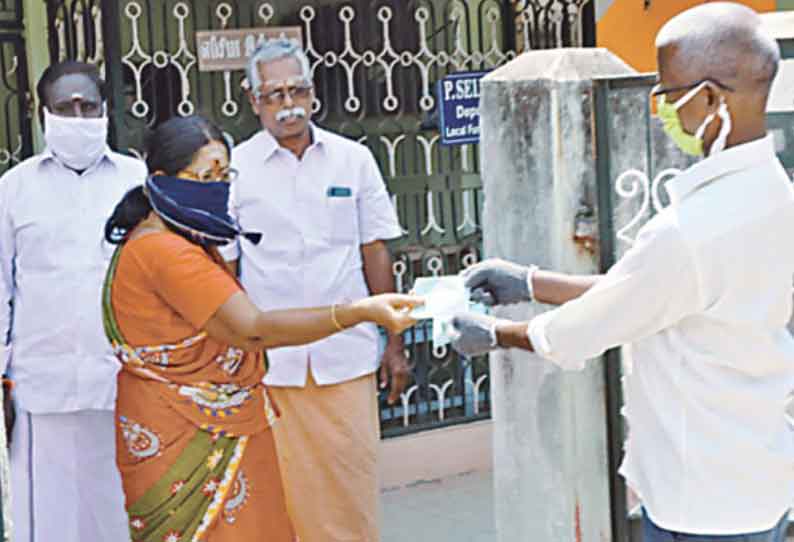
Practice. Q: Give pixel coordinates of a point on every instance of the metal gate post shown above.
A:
(612, 373)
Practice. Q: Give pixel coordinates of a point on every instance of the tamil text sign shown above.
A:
(459, 108)
(229, 50)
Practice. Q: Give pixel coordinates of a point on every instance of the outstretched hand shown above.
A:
(391, 311)
(474, 334)
(497, 282)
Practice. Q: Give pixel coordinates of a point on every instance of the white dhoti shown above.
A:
(64, 482)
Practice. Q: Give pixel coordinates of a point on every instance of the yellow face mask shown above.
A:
(689, 143)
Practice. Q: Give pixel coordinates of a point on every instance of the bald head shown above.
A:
(721, 41)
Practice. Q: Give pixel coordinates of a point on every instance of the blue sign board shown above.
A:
(459, 108)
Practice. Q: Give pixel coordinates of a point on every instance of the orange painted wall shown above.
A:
(629, 30)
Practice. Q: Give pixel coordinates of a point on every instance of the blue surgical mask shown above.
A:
(197, 209)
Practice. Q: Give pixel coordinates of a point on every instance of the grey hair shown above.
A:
(275, 49)
(725, 41)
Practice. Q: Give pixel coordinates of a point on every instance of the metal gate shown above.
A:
(15, 145)
(16, 142)
(375, 64)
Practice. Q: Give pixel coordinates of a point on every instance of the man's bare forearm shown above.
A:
(557, 288)
(377, 263)
(513, 335)
(550, 288)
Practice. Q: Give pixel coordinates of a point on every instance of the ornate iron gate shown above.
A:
(16, 144)
(375, 64)
(16, 141)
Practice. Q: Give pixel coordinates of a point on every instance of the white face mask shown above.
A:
(77, 142)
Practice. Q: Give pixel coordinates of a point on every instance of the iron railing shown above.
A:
(16, 140)
(11, 14)
(15, 145)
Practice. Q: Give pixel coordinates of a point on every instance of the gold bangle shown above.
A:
(334, 320)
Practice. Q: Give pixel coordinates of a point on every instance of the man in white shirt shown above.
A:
(323, 208)
(53, 207)
(703, 297)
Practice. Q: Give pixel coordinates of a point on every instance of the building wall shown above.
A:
(435, 455)
(628, 29)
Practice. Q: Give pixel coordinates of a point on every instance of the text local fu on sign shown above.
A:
(459, 108)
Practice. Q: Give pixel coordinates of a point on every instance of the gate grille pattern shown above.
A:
(15, 134)
(15, 145)
(11, 14)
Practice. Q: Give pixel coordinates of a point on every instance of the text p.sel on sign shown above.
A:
(459, 108)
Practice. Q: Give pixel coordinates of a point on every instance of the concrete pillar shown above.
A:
(538, 169)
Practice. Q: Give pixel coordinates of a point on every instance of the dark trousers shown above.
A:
(653, 533)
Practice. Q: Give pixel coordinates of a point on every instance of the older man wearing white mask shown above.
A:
(53, 207)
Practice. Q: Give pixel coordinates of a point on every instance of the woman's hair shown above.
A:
(170, 148)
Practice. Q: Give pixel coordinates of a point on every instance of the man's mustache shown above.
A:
(286, 114)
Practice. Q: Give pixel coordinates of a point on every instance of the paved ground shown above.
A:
(458, 509)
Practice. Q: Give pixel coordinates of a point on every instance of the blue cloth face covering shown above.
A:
(198, 209)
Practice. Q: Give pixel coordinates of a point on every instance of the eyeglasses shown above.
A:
(279, 95)
(659, 90)
(210, 176)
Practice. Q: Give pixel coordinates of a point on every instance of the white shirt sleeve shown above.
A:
(377, 219)
(140, 173)
(231, 251)
(652, 287)
(7, 255)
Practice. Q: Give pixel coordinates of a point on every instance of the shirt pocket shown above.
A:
(343, 214)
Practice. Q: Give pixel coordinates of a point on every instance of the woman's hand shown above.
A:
(391, 311)
(240, 323)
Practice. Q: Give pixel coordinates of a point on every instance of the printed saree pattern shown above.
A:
(188, 414)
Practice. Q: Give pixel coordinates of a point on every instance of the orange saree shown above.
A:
(194, 445)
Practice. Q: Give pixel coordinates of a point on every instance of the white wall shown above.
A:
(436, 454)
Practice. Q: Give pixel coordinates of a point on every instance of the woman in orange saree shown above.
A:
(194, 447)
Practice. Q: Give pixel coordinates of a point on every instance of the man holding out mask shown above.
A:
(703, 297)
(53, 207)
(325, 213)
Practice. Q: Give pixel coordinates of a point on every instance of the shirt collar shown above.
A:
(724, 163)
(107, 156)
(319, 138)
